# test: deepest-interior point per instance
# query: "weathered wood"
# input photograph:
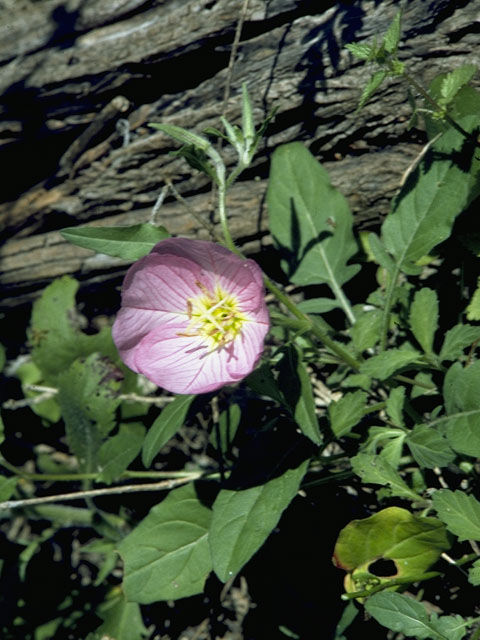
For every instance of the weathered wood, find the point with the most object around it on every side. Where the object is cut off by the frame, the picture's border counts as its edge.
(80, 85)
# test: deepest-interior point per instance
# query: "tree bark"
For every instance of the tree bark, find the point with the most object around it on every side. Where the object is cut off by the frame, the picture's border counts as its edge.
(80, 81)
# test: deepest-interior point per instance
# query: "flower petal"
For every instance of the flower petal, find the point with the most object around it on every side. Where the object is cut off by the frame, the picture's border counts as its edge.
(180, 364)
(161, 283)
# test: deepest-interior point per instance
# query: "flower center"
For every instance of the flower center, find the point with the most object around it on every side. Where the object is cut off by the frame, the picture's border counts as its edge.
(214, 316)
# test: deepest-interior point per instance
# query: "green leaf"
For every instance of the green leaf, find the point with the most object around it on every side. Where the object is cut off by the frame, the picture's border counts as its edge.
(317, 305)
(55, 339)
(392, 37)
(435, 193)
(310, 221)
(360, 51)
(88, 397)
(412, 543)
(373, 84)
(385, 364)
(474, 573)
(460, 512)
(405, 615)
(366, 330)
(297, 391)
(429, 448)
(120, 450)
(379, 253)
(453, 81)
(347, 412)
(122, 620)
(242, 520)
(183, 135)
(166, 556)
(128, 243)
(473, 309)
(462, 404)
(424, 318)
(457, 340)
(7, 487)
(394, 405)
(165, 427)
(28, 373)
(376, 470)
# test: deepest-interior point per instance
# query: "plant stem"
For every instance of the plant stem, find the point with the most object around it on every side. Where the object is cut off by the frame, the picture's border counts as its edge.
(92, 493)
(437, 107)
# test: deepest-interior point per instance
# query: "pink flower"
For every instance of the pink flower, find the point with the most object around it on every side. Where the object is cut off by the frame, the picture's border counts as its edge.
(193, 316)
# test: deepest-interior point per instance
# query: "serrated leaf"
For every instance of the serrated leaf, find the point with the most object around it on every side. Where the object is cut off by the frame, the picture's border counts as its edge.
(165, 427)
(242, 520)
(412, 543)
(473, 309)
(457, 340)
(462, 404)
(56, 341)
(460, 512)
(453, 81)
(347, 412)
(424, 318)
(122, 620)
(394, 405)
(429, 448)
(310, 221)
(166, 556)
(403, 615)
(385, 364)
(120, 450)
(376, 470)
(373, 84)
(474, 573)
(366, 330)
(297, 391)
(128, 243)
(435, 193)
(88, 399)
(360, 51)
(392, 37)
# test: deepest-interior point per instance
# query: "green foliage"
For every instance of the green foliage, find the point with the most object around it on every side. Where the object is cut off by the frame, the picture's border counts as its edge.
(460, 512)
(347, 412)
(424, 318)
(166, 556)
(242, 520)
(316, 241)
(404, 615)
(377, 470)
(462, 403)
(122, 620)
(412, 543)
(88, 398)
(165, 427)
(116, 454)
(297, 391)
(128, 243)
(55, 338)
